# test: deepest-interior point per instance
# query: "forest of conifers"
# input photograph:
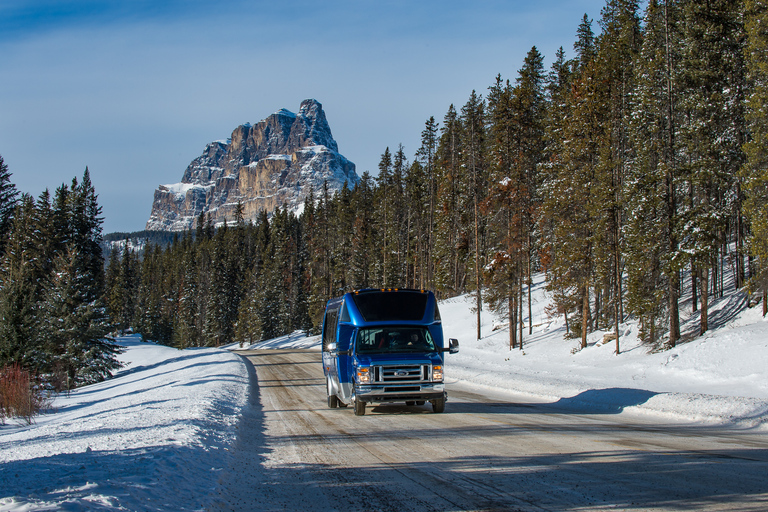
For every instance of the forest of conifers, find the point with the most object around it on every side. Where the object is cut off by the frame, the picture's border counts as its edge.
(632, 173)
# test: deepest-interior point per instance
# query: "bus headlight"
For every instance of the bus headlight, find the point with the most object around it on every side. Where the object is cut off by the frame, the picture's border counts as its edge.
(437, 373)
(364, 375)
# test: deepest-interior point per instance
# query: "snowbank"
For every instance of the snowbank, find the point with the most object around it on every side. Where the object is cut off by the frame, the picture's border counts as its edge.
(148, 439)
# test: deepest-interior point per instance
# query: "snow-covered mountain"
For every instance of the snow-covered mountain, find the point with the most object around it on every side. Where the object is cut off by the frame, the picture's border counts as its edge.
(262, 166)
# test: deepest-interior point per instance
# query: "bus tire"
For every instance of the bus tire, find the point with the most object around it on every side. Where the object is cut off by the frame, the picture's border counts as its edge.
(333, 400)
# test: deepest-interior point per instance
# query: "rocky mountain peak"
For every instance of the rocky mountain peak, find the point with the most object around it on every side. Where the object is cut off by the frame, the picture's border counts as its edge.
(273, 162)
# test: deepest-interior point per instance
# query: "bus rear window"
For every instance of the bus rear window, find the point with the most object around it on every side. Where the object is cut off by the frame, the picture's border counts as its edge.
(391, 306)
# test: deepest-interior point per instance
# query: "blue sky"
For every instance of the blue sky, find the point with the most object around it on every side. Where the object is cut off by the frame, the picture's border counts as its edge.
(136, 89)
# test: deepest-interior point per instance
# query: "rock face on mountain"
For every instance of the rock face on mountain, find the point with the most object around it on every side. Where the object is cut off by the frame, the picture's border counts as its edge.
(261, 166)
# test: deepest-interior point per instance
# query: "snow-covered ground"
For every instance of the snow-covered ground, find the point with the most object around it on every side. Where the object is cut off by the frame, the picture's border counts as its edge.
(155, 436)
(721, 377)
(152, 438)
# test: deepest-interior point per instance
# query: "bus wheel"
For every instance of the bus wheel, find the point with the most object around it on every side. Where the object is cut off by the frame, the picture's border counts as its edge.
(359, 408)
(333, 400)
(438, 405)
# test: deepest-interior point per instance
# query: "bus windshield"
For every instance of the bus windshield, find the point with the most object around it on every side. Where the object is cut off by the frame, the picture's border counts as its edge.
(388, 340)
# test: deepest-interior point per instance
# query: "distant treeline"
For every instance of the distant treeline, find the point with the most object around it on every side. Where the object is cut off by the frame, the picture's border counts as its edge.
(142, 237)
(137, 240)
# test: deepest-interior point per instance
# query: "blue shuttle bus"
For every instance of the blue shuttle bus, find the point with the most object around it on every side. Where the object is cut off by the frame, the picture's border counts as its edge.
(384, 345)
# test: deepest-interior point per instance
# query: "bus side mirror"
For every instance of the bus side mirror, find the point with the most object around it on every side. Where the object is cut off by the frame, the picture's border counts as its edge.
(331, 348)
(453, 346)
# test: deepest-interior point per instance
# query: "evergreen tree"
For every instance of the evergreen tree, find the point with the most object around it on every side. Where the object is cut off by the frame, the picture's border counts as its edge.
(75, 326)
(122, 281)
(8, 199)
(361, 241)
(218, 318)
(654, 182)
(426, 153)
(149, 298)
(569, 208)
(617, 48)
(755, 171)
(20, 289)
(712, 132)
(187, 330)
(451, 249)
(474, 162)
(399, 213)
(386, 233)
(584, 47)
(516, 149)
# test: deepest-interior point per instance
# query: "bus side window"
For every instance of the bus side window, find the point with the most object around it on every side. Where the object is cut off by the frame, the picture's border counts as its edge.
(329, 327)
(344, 313)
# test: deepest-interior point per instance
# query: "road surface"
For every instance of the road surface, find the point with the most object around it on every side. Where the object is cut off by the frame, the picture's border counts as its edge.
(485, 452)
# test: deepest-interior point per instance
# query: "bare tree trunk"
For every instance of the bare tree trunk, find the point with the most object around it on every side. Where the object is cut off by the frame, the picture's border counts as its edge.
(511, 318)
(674, 281)
(674, 312)
(723, 253)
(704, 300)
(520, 306)
(584, 315)
(478, 285)
(598, 308)
(694, 287)
(739, 240)
(617, 298)
(530, 284)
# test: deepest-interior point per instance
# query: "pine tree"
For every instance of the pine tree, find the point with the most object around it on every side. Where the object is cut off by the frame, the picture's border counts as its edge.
(755, 170)
(569, 191)
(187, 330)
(584, 47)
(474, 144)
(451, 249)
(8, 199)
(504, 206)
(122, 281)
(426, 154)
(86, 231)
(362, 236)
(75, 326)
(712, 79)
(516, 149)
(617, 48)
(20, 289)
(149, 298)
(384, 223)
(218, 319)
(654, 184)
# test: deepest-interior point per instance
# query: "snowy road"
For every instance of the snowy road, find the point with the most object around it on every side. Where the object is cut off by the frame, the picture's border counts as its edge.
(485, 452)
